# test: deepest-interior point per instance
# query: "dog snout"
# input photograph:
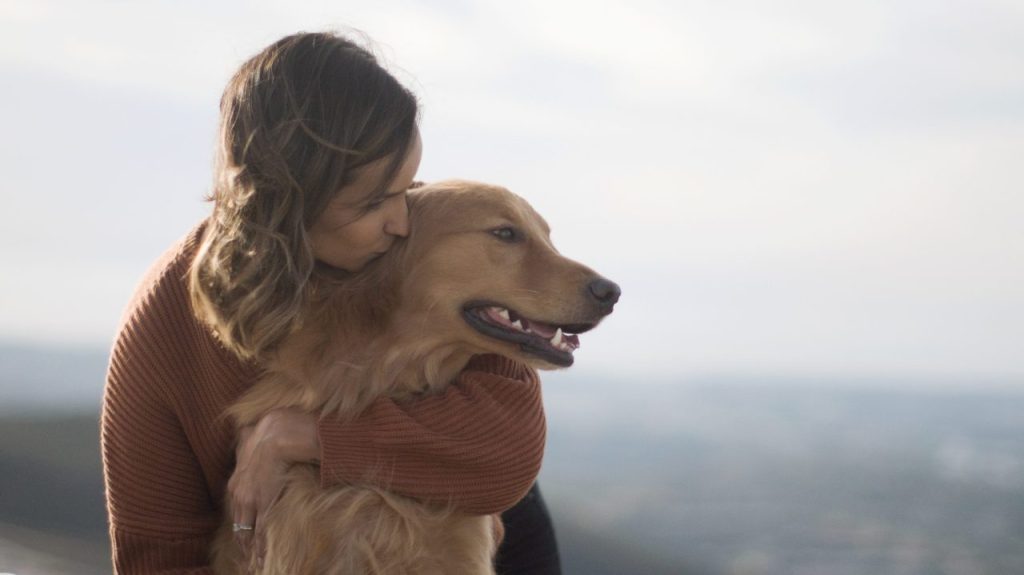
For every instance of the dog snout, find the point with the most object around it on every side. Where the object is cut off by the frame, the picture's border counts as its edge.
(604, 292)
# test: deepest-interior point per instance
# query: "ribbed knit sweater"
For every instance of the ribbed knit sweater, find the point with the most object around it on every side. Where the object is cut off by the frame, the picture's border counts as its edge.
(167, 453)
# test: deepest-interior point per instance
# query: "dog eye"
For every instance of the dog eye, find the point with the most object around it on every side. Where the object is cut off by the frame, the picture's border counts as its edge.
(505, 234)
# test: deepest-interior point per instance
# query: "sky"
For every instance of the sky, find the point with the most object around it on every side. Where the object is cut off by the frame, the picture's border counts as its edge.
(785, 189)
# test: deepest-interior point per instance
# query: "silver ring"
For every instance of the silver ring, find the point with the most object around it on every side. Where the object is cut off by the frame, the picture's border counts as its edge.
(236, 527)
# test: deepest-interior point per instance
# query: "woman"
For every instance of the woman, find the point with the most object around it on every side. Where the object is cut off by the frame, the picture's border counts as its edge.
(317, 147)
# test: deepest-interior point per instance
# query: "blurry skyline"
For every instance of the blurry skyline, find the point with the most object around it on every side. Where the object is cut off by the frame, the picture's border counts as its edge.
(782, 189)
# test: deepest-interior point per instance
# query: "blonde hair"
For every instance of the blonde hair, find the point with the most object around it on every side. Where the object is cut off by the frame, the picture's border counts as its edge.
(296, 120)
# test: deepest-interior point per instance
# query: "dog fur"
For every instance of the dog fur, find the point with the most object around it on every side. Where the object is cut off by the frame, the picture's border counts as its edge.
(399, 328)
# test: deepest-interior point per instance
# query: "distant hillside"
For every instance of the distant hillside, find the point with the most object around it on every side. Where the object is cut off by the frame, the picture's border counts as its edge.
(48, 379)
(32, 552)
(776, 481)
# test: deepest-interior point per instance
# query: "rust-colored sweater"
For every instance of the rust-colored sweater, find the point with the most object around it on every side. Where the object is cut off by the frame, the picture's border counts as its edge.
(167, 455)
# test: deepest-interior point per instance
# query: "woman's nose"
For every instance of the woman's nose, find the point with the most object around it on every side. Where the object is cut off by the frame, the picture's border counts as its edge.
(397, 223)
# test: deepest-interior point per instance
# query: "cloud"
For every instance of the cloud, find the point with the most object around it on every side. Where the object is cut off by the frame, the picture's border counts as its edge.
(795, 185)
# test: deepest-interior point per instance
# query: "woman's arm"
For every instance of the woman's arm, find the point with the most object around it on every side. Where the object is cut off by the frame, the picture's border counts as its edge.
(161, 518)
(166, 456)
(478, 446)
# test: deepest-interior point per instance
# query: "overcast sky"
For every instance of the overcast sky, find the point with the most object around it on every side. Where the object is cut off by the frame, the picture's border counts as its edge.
(788, 189)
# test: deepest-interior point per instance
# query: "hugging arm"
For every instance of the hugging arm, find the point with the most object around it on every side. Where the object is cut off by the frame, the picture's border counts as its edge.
(477, 446)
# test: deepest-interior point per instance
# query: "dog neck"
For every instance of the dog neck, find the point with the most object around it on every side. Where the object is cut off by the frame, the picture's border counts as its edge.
(357, 343)
(345, 381)
(424, 370)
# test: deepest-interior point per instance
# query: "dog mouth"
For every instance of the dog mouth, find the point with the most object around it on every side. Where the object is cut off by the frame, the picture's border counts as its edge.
(554, 343)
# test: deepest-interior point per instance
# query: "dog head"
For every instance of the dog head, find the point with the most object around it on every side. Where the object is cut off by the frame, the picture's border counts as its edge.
(480, 271)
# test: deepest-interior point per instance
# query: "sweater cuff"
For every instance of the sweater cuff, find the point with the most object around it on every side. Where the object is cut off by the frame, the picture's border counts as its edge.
(134, 553)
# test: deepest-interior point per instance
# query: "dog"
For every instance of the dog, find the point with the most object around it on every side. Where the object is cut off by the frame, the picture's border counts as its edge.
(478, 274)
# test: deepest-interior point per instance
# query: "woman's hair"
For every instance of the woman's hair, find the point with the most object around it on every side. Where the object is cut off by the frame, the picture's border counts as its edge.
(296, 120)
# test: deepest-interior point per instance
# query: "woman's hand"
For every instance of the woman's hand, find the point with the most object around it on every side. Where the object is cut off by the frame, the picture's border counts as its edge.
(265, 452)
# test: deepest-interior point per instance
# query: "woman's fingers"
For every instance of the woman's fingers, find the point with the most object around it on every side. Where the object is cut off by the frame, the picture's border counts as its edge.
(244, 529)
(259, 546)
(273, 487)
(242, 495)
(256, 484)
(253, 552)
(264, 454)
(243, 512)
(246, 524)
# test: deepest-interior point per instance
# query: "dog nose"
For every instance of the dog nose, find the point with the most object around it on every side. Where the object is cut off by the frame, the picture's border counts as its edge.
(605, 292)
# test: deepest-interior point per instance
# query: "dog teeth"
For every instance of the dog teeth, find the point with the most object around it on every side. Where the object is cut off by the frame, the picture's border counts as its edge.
(503, 313)
(517, 325)
(561, 343)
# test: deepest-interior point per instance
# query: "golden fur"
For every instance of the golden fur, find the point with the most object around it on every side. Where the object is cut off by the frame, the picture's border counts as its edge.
(397, 329)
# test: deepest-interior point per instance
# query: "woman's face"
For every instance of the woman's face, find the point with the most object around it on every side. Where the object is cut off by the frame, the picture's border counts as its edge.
(353, 230)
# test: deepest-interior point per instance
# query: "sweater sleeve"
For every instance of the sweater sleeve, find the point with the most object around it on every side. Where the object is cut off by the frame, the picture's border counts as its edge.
(477, 447)
(160, 511)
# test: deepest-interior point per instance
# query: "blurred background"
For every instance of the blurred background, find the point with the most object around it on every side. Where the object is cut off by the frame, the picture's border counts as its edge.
(815, 210)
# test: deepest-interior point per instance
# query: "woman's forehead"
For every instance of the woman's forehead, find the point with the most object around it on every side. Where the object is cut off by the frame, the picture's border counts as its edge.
(368, 181)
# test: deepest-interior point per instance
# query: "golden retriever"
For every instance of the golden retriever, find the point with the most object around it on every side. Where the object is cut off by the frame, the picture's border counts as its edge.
(478, 274)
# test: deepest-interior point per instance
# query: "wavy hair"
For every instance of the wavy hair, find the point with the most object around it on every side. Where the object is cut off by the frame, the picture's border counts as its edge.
(296, 121)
